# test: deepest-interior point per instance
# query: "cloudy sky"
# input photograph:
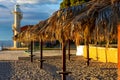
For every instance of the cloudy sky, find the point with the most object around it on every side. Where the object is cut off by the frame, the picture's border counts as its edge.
(33, 12)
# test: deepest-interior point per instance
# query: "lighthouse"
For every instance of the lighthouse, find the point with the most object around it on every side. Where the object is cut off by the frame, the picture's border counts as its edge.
(16, 25)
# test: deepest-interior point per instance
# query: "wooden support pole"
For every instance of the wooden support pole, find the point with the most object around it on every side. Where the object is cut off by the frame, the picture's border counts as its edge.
(31, 56)
(96, 43)
(64, 60)
(88, 59)
(64, 73)
(87, 36)
(68, 49)
(119, 51)
(41, 54)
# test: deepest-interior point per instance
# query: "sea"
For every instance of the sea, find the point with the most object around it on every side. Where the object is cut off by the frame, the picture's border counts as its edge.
(6, 43)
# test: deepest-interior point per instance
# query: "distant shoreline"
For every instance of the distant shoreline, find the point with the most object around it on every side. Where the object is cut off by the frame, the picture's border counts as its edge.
(6, 43)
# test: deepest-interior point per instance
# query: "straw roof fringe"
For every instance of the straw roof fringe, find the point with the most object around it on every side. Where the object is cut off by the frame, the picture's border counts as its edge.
(55, 25)
(22, 36)
(72, 22)
(100, 14)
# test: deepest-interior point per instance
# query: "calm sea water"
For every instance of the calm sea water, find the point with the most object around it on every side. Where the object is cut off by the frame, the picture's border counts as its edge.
(7, 43)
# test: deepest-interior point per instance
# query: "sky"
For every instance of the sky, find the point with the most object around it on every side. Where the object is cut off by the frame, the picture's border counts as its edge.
(33, 12)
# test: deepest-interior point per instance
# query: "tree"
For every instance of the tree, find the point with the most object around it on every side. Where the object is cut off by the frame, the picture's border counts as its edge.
(67, 3)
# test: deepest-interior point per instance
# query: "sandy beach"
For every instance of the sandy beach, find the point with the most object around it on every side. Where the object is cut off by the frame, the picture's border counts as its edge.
(13, 69)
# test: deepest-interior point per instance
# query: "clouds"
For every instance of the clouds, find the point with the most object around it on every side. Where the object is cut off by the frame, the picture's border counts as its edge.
(2, 6)
(34, 1)
(37, 1)
(33, 12)
(30, 8)
(36, 15)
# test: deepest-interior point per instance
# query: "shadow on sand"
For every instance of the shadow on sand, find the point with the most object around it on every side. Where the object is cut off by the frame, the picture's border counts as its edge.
(53, 71)
(5, 70)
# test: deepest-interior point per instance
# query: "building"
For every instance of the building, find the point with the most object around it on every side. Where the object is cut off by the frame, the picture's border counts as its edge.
(16, 25)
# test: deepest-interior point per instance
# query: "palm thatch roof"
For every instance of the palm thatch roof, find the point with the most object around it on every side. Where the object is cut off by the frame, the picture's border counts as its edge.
(59, 24)
(74, 22)
(30, 34)
(23, 36)
(35, 30)
(101, 15)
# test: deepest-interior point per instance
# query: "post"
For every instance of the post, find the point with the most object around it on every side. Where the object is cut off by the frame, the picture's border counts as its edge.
(118, 51)
(31, 51)
(68, 49)
(41, 54)
(64, 60)
(87, 34)
(88, 59)
(96, 43)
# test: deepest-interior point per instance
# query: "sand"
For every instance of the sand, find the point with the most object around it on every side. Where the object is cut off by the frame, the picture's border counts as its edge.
(13, 55)
(14, 69)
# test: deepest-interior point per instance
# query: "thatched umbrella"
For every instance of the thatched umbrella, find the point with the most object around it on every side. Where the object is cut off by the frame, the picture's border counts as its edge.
(114, 18)
(84, 26)
(33, 36)
(65, 18)
(28, 38)
(25, 36)
(58, 27)
(99, 15)
(105, 14)
(35, 31)
(60, 21)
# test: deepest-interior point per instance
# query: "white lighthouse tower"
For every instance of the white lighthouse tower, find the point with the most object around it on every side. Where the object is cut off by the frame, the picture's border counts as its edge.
(16, 25)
